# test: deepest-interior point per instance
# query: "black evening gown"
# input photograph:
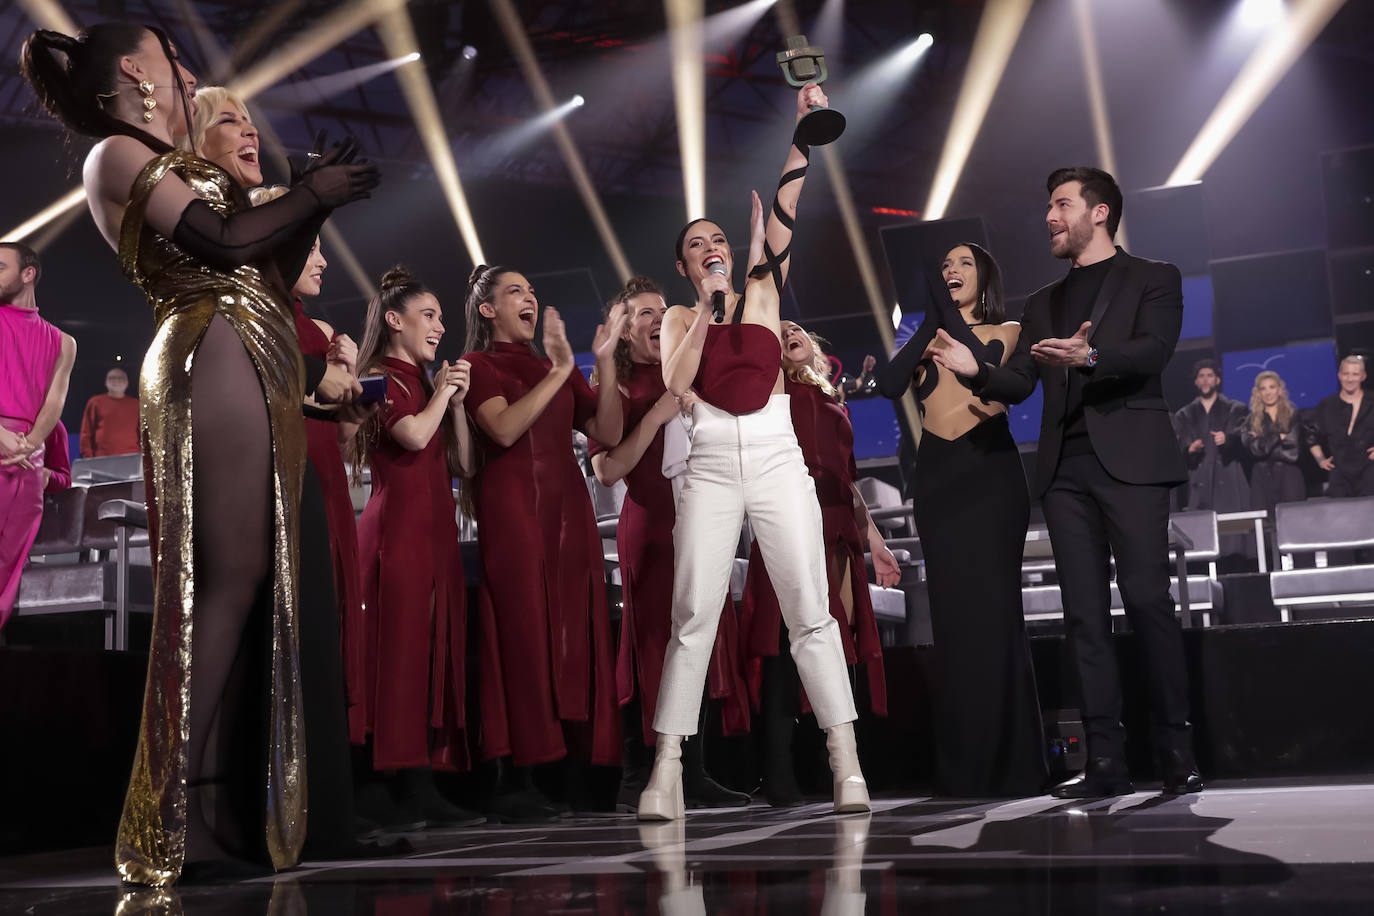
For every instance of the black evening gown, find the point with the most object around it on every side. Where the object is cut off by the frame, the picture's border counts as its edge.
(972, 508)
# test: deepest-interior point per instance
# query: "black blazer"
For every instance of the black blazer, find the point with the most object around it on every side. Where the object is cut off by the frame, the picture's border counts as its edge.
(1135, 324)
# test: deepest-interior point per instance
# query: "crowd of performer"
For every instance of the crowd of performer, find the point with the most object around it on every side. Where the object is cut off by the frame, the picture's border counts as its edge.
(308, 675)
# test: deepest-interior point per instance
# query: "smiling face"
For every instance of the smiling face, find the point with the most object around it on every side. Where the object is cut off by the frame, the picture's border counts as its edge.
(512, 310)
(705, 245)
(231, 142)
(312, 275)
(798, 350)
(642, 330)
(150, 63)
(1352, 375)
(1070, 220)
(417, 330)
(960, 273)
(1269, 391)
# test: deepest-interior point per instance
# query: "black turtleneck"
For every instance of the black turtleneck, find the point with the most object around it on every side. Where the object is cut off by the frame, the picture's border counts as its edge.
(1073, 307)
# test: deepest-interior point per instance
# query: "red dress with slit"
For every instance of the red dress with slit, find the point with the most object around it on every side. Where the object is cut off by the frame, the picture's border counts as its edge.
(322, 448)
(644, 542)
(547, 667)
(827, 443)
(413, 593)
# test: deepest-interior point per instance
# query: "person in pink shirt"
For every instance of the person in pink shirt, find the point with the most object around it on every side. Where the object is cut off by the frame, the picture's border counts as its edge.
(35, 364)
(57, 460)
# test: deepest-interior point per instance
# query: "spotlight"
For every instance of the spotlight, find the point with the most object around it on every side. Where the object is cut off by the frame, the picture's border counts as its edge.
(578, 101)
(1097, 96)
(1261, 73)
(469, 52)
(1260, 14)
(998, 30)
(411, 57)
(922, 42)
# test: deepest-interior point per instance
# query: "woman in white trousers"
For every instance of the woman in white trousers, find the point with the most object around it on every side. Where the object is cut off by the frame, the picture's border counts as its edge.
(745, 461)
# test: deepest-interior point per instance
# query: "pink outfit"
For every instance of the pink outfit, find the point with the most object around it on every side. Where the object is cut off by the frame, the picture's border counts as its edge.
(29, 348)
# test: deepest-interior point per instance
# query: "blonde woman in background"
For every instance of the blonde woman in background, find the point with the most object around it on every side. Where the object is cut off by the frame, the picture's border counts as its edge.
(1272, 437)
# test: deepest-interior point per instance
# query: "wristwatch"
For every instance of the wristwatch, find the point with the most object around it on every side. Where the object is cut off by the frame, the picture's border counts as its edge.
(1092, 358)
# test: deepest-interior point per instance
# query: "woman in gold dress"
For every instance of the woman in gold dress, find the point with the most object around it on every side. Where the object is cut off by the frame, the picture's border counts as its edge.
(224, 448)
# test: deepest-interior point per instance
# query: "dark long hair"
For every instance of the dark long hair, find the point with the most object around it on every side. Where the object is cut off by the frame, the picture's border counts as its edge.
(69, 75)
(481, 288)
(397, 289)
(992, 305)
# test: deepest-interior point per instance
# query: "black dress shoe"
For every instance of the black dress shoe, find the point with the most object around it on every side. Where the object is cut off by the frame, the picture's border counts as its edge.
(1103, 777)
(780, 789)
(701, 791)
(1180, 773)
(524, 806)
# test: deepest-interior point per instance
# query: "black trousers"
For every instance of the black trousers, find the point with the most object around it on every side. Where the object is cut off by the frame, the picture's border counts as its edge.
(1087, 511)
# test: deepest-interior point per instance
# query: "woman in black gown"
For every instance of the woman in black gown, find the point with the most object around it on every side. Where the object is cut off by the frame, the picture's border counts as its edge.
(972, 508)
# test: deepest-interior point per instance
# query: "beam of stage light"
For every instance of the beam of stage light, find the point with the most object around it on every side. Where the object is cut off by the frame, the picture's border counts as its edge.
(50, 15)
(398, 36)
(327, 33)
(1267, 65)
(992, 46)
(719, 31)
(866, 96)
(323, 87)
(513, 139)
(519, 41)
(829, 32)
(688, 53)
(1097, 97)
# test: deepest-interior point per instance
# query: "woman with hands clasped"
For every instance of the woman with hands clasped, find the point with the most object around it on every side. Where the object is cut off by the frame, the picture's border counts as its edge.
(547, 665)
(644, 544)
(414, 595)
(745, 459)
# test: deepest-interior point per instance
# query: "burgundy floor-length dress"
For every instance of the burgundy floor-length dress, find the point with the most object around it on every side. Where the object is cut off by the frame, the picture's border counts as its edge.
(414, 603)
(322, 447)
(644, 541)
(547, 667)
(827, 443)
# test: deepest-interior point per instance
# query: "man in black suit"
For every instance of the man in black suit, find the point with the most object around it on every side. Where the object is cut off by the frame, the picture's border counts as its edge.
(1098, 340)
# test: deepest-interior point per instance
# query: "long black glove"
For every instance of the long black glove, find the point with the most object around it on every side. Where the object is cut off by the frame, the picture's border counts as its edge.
(895, 378)
(257, 234)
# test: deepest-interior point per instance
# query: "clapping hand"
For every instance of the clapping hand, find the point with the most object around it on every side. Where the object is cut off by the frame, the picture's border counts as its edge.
(556, 340)
(954, 356)
(1219, 437)
(343, 352)
(757, 231)
(1064, 351)
(608, 335)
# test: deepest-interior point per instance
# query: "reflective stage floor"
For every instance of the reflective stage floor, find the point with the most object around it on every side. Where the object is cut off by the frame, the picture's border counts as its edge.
(1244, 848)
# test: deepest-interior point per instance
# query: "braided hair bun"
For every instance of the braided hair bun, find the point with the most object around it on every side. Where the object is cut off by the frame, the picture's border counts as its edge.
(397, 278)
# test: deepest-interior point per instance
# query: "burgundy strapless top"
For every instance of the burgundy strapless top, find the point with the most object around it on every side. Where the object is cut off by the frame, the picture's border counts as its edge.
(739, 367)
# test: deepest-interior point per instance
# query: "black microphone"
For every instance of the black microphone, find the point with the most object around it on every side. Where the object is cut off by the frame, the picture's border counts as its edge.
(718, 298)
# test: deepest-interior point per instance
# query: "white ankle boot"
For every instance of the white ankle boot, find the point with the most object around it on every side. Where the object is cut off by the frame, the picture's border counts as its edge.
(851, 791)
(661, 799)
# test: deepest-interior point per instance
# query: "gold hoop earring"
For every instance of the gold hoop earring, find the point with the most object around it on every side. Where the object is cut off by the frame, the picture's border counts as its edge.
(149, 103)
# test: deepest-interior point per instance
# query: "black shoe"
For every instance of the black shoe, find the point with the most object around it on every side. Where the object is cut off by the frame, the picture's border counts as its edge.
(417, 791)
(1180, 772)
(627, 796)
(1103, 777)
(374, 803)
(522, 807)
(701, 791)
(780, 788)
(365, 829)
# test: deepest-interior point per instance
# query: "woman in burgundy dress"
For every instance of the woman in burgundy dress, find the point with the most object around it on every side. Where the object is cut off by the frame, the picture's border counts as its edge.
(412, 572)
(827, 443)
(644, 543)
(548, 672)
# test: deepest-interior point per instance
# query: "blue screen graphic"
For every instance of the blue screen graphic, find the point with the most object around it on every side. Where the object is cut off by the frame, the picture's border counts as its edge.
(1197, 308)
(876, 433)
(1308, 371)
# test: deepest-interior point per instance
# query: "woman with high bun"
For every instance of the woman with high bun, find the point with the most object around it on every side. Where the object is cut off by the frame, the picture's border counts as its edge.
(644, 544)
(224, 447)
(414, 594)
(548, 672)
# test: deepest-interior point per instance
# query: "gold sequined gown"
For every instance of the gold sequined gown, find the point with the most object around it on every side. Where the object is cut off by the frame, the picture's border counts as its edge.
(185, 294)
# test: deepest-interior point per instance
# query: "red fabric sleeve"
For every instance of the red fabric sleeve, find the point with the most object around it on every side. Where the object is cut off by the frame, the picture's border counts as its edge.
(58, 459)
(404, 402)
(584, 400)
(485, 383)
(89, 419)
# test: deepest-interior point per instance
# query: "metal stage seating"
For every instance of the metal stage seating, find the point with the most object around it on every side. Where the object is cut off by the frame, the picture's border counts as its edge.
(1319, 526)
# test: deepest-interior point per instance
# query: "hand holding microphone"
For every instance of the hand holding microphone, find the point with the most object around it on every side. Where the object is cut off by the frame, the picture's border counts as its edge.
(717, 295)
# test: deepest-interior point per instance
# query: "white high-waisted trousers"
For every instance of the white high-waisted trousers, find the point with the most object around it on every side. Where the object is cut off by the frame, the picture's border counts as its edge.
(749, 463)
